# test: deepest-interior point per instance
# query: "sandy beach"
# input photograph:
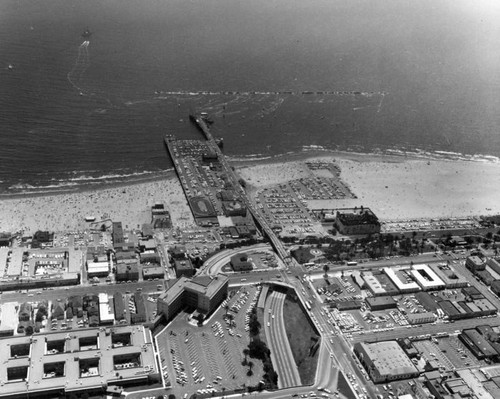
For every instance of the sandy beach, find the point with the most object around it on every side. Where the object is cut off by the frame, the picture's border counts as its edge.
(395, 188)
(129, 204)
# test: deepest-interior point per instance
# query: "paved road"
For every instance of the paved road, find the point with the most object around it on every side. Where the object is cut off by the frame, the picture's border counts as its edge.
(274, 327)
(402, 332)
(64, 292)
(214, 264)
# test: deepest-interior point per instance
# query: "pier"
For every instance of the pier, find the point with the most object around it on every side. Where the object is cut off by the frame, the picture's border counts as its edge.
(260, 221)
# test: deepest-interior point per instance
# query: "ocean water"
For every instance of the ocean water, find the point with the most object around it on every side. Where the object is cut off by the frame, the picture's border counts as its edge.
(277, 76)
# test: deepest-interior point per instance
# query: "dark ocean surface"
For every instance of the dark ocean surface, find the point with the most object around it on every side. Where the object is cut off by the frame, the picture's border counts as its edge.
(384, 76)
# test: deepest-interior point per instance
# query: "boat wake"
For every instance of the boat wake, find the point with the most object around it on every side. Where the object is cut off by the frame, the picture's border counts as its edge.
(82, 63)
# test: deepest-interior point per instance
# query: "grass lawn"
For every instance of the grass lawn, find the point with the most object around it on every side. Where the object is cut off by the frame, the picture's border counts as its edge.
(344, 388)
(302, 338)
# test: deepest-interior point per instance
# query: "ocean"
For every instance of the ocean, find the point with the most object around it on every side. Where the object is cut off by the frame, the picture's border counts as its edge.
(277, 76)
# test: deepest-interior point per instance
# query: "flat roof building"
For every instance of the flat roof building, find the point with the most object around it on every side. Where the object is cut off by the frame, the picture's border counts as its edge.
(117, 234)
(379, 284)
(472, 293)
(97, 269)
(421, 318)
(449, 276)
(427, 300)
(153, 272)
(357, 221)
(127, 271)
(23, 268)
(106, 313)
(494, 264)
(88, 360)
(240, 262)
(401, 279)
(183, 267)
(381, 303)
(119, 304)
(426, 278)
(385, 361)
(147, 245)
(477, 344)
(474, 263)
(485, 277)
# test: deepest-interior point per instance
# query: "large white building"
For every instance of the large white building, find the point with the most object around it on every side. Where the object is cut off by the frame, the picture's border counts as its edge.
(426, 278)
(402, 286)
(106, 313)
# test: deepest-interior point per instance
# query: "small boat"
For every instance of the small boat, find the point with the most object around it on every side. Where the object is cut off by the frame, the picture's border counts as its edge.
(11, 67)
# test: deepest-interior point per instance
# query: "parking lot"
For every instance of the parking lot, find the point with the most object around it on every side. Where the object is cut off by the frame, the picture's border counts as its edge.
(209, 358)
(457, 353)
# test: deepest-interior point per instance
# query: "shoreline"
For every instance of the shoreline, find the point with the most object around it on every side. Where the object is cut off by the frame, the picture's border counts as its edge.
(396, 156)
(395, 187)
(131, 181)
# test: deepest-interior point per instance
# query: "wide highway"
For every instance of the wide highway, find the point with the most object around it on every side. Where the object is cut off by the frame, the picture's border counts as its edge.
(274, 326)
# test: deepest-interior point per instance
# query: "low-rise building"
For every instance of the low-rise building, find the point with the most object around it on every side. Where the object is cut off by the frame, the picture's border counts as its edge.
(479, 346)
(106, 309)
(357, 221)
(97, 269)
(138, 313)
(421, 318)
(485, 277)
(119, 306)
(474, 263)
(117, 233)
(472, 293)
(240, 262)
(379, 284)
(449, 276)
(401, 278)
(160, 217)
(385, 361)
(150, 256)
(426, 278)
(150, 273)
(127, 272)
(183, 267)
(381, 303)
(495, 287)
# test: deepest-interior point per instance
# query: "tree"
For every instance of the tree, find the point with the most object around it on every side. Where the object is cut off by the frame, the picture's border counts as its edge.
(326, 269)
(258, 349)
(246, 351)
(29, 330)
(200, 317)
(254, 324)
(250, 365)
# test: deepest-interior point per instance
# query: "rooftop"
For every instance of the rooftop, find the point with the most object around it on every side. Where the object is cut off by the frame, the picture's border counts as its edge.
(81, 367)
(388, 358)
